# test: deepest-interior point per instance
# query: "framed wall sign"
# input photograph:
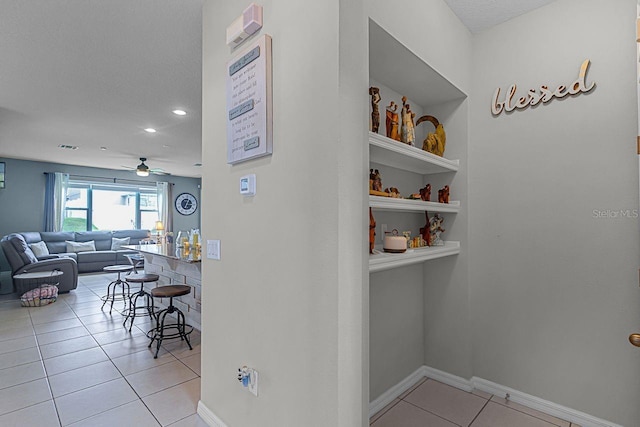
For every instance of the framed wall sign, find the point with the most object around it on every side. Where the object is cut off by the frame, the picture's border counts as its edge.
(2, 166)
(249, 103)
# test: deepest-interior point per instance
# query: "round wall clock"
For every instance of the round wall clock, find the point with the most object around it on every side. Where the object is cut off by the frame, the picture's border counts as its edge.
(186, 203)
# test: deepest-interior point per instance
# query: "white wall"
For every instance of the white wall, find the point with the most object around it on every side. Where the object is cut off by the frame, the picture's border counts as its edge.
(289, 295)
(554, 289)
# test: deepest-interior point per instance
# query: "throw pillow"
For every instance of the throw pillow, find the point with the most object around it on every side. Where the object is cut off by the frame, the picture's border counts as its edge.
(80, 246)
(119, 243)
(39, 249)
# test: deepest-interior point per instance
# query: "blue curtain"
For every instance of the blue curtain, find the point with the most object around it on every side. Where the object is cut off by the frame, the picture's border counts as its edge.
(54, 198)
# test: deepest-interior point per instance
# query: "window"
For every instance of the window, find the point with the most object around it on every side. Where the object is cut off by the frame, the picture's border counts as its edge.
(107, 206)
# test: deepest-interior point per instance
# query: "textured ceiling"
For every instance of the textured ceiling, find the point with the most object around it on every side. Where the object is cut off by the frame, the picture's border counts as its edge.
(94, 74)
(478, 15)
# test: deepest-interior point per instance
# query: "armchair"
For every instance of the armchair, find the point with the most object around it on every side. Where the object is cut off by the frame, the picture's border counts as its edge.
(22, 260)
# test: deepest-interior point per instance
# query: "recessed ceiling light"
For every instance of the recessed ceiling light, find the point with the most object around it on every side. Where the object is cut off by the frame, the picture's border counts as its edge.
(179, 112)
(150, 130)
(166, 146)
(103, 148)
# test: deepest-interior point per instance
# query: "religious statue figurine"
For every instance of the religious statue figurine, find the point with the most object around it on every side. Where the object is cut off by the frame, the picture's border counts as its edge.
(375, 111)
(425, 231)
(435, 231)
(425, 193)
(408, 129)
(443, 194)
(372, 231)
(392, 121)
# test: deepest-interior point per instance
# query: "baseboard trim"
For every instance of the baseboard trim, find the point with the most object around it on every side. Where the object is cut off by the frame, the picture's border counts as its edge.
(533, 402)
(208, 416)
(388, 396)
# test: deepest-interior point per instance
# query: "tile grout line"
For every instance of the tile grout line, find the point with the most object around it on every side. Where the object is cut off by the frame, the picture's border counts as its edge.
(479, 412)
(429, 412)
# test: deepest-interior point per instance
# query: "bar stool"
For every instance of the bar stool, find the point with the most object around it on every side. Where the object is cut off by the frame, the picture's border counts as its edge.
(147, 309)
(182, 330)
(111, 289)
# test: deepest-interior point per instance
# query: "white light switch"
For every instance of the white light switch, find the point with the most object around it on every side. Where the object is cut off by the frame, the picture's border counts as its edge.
(213, 249)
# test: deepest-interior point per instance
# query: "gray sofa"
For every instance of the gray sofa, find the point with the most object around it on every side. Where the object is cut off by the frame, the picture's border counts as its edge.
(17, 249)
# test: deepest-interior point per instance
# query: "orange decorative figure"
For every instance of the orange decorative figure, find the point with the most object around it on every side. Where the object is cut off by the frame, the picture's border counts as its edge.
(443, 195)
(372, 231)
(425, 193)
(375, 111)
(392, 121)
(425, 231)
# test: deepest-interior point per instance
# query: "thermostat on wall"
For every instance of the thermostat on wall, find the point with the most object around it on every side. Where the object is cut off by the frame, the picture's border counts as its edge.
(248, 185)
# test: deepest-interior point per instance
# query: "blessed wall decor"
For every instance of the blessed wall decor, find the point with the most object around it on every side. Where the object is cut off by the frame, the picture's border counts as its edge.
(544, 94)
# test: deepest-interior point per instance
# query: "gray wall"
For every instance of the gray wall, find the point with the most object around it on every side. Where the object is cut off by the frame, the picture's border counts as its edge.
(554, 288)
(22, 201)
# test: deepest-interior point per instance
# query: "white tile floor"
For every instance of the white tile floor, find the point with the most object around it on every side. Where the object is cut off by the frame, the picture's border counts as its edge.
(430, 403)
(72, 364)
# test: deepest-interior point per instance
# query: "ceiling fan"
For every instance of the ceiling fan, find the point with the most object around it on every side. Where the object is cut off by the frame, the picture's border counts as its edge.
(143, 170)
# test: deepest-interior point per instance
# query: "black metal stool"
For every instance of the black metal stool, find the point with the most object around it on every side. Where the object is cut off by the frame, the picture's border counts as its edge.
(111, 289)
(182, 329)
(147, 309)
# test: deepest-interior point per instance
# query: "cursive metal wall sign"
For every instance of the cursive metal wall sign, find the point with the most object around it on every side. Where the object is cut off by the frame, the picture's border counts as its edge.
(544, 95)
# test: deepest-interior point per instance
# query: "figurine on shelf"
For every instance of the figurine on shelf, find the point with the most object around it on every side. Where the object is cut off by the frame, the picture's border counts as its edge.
(393, 192)
(375, 184)
(377, 180)
(408, 129)
(392, 121)
(443, 195)
(372, 231)
(425, 231)
(434, 142)
(425, 193)
(375, 111)
(435, 231)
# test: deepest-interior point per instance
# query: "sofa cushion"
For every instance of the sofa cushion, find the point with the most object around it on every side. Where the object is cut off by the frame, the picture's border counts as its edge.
(80, 246)
(55, 240)
(25, 254)
(39, 249)
(97, 256)
(117, 243)
(134, 235)
(31, 236)
(102, 239)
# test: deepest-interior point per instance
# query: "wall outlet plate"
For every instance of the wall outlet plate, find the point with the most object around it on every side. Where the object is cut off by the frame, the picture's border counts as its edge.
(253, 382)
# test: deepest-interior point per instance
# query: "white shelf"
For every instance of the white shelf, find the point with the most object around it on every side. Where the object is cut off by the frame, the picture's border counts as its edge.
(393, 153)
(408, 205)
(387, 261)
